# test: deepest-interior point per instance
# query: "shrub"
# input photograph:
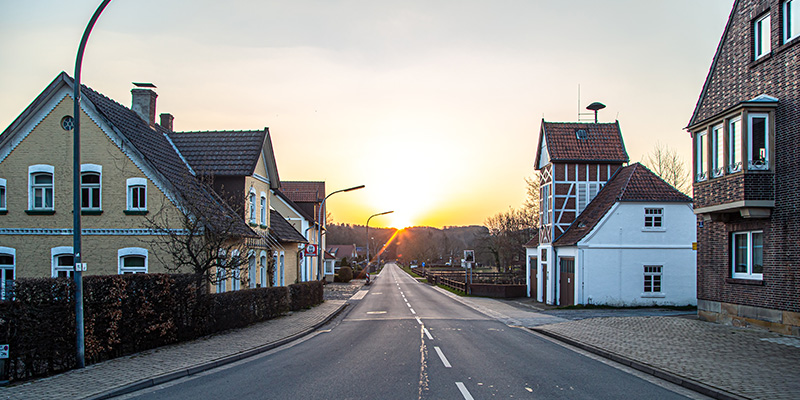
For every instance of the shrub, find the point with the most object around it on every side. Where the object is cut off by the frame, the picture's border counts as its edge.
(305, 295)
(345, 274)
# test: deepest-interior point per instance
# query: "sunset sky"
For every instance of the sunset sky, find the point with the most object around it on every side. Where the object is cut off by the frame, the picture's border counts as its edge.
(434, 105)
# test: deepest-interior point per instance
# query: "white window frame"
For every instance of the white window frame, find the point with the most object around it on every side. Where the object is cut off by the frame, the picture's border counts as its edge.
(791, 21)
(700, 154)
(717, 151)
(3, 196)
(222, 280)
(761, 163)
(93, 169)
(55, 254)
(136, 184)
(587, 191)
(751, 253)
(252, 199)
(263, 260)
(4, 268)
(762, 45)
(546, 204)
(282, 268)
(735, 145)
(122, 254)
(654, 219)
(653, 279)
(251, 271)
(41, 169)
(263, 209)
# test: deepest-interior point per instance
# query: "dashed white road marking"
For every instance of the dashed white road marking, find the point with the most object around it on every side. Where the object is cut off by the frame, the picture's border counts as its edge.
(412, 311)
(442, 357)
(428, 334)
(375, 312)
(419, 321)
(408, 304)
(464, 391)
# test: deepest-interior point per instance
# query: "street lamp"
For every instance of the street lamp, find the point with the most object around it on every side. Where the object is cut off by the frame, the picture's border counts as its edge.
(76, 190)
(370, 217)
(320, 250)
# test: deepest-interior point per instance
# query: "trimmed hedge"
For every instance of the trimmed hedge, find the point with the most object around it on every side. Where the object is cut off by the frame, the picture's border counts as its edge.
(305, 295)
(345, 275)
(124, 314)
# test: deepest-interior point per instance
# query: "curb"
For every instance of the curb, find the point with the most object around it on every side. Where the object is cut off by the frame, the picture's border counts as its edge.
(170, 376)
(698, 387)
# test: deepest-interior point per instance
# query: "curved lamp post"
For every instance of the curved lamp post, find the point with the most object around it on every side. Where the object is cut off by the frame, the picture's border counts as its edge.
(76, 189)
(370, 217)
(320, 250)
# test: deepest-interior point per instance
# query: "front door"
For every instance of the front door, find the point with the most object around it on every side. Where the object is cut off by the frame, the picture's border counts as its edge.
(533, 268)
(567, 275)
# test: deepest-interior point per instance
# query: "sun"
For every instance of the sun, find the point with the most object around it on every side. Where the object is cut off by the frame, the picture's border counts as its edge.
(400, 221)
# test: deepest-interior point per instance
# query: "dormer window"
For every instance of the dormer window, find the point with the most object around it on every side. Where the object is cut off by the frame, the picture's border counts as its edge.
(761, 30)
(581, 134)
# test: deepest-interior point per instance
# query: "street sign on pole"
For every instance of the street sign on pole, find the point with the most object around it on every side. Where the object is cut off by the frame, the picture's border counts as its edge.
(310, 250)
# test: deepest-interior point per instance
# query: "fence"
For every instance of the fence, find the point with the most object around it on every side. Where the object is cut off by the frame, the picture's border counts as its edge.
(507, 283)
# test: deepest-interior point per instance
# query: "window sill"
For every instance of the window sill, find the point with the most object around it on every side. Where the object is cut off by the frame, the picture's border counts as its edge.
(135, 212)
(253, 224)
(743, 281)
(760, 60)
(262, 226)
(654, 295)
(91, 212)
(654, 229)
(40, 212)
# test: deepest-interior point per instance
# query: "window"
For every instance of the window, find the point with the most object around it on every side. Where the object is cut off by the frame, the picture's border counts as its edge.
(263, 269)
(222, 280)
(545, 205)
(90, 186)
(62, 262)
(717, 151)
(132, 260)
(735, 145)
(653, 218)
(237, 280)
(791, 21)
(275, 279)
(748, 255)
(701, 169)
(263, 209)
(761, 31)
(758, 143)
(3, 206)
(137, 194)
(586, 193)
(41, 187)
(652, 279)
(252, 199)
(7, 270)
(251, 270)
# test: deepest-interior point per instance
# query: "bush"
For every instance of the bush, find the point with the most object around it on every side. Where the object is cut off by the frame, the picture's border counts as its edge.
(345, 275)
(125, 314)
(305, 295)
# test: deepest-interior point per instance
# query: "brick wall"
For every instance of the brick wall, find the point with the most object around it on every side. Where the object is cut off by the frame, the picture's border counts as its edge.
(735, 78)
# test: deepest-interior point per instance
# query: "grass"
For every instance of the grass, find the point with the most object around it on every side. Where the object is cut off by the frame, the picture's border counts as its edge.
(410, 272)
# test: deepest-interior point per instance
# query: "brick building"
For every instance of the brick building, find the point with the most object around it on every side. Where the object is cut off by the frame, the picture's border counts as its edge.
(745, 129)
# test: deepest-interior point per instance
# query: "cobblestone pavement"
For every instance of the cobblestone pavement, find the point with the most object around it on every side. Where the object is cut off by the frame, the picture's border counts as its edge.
(169, 362)
(342, 291)
(751, 363)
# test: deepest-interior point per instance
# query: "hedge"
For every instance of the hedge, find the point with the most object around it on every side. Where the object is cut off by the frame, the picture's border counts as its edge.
(124, 314)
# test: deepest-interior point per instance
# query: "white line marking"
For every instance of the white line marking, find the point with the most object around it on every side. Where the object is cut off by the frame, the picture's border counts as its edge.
(441, 355)
(375, 312)
(408, 304)
(359, 295)
(428, 334)
(464, 391)
(419, 320)
(412, 311)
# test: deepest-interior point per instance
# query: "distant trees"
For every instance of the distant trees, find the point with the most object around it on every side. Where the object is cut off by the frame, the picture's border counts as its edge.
(665, 162)
(508, 231)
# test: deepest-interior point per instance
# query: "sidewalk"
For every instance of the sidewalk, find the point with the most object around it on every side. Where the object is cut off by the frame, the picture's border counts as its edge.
(718, 361)
(126, 374)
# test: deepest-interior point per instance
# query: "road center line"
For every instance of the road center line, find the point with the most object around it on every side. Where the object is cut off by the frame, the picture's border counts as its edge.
(412, 311)
(428, 334)
(419, 320)
(464, 391)
(442, 357)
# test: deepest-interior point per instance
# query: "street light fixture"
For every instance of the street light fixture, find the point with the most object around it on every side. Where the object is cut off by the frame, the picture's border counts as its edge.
(320, 250)
(370, 217)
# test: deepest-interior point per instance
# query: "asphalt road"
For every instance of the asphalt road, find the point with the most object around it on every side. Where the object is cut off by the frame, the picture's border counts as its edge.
(405, 340)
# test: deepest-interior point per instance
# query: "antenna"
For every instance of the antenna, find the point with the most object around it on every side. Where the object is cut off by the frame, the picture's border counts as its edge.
(584, 116)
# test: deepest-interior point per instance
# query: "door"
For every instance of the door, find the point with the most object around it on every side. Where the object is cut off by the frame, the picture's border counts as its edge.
(567, 287)
(544, 275)
(533, 268)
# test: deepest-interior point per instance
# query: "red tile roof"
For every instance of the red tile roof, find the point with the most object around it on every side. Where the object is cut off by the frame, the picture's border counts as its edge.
(534, 242)
(603, 142)
(634, 183)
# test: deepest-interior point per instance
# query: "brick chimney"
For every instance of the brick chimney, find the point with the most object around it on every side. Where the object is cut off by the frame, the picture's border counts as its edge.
(166, 121)
(144, 102)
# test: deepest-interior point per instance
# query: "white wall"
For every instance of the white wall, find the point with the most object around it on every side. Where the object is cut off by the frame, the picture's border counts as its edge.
(610, 260)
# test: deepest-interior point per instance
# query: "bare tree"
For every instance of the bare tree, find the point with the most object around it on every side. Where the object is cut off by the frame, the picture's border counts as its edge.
(666, 163)
(202, 235)
(532, 198)
(508, 231)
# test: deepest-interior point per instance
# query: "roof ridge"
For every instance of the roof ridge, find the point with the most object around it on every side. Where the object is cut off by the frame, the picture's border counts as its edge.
(628, 181)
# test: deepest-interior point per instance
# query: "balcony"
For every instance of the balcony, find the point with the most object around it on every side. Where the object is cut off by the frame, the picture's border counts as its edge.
(749, 194)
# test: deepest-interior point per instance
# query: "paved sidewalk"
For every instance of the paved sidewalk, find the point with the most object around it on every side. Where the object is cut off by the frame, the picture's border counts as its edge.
(716, 360)
(152, 367)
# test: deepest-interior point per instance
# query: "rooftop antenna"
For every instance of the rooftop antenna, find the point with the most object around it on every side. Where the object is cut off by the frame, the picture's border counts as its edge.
(595, 107)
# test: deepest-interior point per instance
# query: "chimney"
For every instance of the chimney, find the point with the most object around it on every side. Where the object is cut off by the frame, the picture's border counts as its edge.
(144, 102)
(166, 121)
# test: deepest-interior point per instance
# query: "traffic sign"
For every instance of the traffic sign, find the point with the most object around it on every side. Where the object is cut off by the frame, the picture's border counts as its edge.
(310, 250)
(3, 351)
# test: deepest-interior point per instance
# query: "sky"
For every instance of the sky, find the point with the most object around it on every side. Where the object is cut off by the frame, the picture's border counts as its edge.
(434, 105)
